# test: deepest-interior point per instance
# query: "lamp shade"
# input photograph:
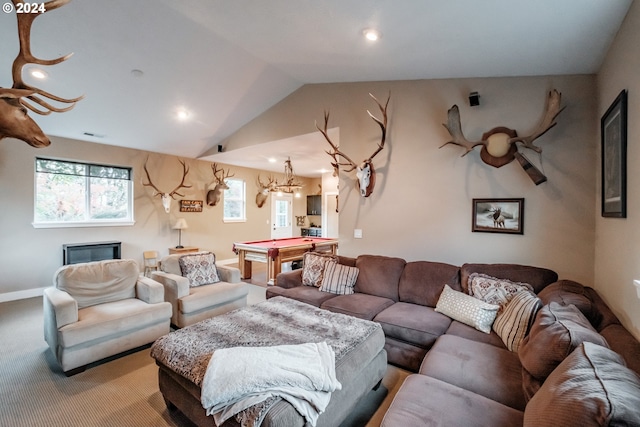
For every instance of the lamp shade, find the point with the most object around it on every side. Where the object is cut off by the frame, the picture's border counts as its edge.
(180, 224)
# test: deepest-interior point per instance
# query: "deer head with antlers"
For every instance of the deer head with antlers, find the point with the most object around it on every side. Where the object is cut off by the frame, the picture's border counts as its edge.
(14, 101)
(264, 190)
(166, 197)
(219, 184)
(499, 144)
(365, 172)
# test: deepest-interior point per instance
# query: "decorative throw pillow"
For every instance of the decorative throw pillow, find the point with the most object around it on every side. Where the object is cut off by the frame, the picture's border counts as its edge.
(467, 309)
(513, 323)
(591, 387)
(199, 268)
(313, 267)
(493, 290)
(339, 278)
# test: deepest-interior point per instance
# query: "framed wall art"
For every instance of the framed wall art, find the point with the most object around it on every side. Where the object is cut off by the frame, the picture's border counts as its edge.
(190, 205)
(613, 136)
(498, 216)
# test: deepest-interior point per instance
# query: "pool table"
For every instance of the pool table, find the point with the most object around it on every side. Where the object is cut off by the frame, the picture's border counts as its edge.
(274, 252)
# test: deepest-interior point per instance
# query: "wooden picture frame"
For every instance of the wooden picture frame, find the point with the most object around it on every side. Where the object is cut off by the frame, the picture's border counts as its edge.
(498, 216)
(613, 141)
(191, 205)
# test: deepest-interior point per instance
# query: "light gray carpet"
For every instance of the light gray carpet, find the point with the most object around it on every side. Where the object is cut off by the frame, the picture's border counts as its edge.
(122, 391)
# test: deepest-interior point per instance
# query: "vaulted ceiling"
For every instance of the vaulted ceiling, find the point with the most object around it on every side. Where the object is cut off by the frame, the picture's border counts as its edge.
(226, 61)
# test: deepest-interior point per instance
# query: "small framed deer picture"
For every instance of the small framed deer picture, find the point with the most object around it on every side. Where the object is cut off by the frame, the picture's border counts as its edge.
(498, 216)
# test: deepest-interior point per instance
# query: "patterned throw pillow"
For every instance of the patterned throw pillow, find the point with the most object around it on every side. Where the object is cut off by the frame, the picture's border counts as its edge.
(512, 324)
(339, 279)
(313, 267)
(199, 268)
(467, 309)
(493, 290)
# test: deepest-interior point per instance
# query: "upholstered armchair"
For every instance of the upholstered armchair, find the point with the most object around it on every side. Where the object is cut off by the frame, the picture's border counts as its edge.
(198, 289)
(99, 309)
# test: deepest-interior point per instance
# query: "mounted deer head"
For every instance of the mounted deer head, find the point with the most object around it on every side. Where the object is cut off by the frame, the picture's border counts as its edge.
(263, 193)
(364, 171)
(166, 197)
(499, 144)
(219, 184)
(14, 101)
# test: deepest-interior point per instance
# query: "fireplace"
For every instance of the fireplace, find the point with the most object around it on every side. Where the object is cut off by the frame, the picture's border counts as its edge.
(73, 253)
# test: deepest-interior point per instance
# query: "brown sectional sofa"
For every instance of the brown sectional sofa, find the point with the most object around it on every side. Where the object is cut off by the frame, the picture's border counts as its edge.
(465, 377)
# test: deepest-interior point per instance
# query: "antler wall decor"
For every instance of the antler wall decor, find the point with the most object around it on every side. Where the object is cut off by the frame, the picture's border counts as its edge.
(166, 197)
(14, 120)
(215, 189)
(499, 144)
(365, 172)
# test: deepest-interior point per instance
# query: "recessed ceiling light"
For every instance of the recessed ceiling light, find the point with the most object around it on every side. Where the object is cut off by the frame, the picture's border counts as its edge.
(272, 160)
(371, 34)
(183, 114)
(38, 73)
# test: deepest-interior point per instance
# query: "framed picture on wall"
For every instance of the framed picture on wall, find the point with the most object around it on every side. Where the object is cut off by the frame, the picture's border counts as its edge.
(498, 216)
(190, 205)
(613, 136)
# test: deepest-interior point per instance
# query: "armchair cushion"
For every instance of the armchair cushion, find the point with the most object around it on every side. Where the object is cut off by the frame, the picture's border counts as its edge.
(117, 279)
(199, 268)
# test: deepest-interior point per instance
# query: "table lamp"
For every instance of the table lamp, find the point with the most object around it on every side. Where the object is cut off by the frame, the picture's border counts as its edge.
(180, 225)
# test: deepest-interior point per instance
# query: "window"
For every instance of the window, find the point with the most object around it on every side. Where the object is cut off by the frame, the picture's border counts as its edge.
(235, 201)
(72, 194)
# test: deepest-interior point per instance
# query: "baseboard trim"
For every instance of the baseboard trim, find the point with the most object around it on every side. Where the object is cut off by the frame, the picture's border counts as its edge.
(17, 295)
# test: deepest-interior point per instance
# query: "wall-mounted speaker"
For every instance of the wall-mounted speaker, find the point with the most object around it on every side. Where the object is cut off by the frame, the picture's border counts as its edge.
(474, 99)
(219, 148)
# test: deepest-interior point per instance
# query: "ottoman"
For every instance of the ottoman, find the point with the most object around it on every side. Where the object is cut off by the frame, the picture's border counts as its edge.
(182, 357)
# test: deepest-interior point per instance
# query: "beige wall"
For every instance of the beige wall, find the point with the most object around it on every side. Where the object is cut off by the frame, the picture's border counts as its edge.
(618, 240)
(421, 206)
(30, 256)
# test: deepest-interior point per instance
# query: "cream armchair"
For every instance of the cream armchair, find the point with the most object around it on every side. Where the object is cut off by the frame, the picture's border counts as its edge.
(99, 309)
(192, 304)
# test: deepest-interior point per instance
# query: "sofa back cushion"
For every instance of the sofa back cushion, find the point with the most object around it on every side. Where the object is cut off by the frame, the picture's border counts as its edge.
(537, 277)
(626, 345)
(98, 282)
(379, 275)
(591, 387)
(422, 282)
(556, 331)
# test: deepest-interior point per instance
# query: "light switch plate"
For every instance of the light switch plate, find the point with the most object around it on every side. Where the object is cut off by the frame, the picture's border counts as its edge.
(357, 233)
(637, 283)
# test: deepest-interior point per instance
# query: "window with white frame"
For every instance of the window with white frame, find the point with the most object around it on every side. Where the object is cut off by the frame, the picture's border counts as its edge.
(235, 201)
(71, 194)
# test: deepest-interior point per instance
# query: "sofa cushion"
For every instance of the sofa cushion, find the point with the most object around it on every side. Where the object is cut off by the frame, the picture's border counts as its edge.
(199, 268)
(98, 282)
(537, 277)
(426, 401)
(494, 290)
(209, 296)
(591, 387)
(469, 332)
(412, 323)
(306, 294)
(379, 275)
(478, 367)
(313, 267)
(513, 323)
(622, 342)
(358, 305)
(112, 319)
(338, 278)
(467, 309)
(556, 331)
(422, 281)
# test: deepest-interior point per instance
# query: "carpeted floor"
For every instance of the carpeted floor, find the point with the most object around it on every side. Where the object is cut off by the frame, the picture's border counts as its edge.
(122, 391)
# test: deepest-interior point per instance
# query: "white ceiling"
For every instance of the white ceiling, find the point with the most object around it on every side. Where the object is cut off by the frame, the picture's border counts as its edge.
(227, 61)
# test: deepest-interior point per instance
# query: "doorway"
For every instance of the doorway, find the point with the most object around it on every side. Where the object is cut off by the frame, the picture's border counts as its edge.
(281, 215)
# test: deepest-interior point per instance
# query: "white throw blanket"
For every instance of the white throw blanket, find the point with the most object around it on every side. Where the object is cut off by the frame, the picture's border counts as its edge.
(239, 377)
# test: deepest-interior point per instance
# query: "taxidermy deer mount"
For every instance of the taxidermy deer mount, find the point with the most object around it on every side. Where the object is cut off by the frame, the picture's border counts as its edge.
(219, 184)
(365, 172)
(14, 101)
(166, 197)
(263, 193)
(499, 144)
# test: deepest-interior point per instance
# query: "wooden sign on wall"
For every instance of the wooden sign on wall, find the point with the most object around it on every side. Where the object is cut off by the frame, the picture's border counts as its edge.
(190, 205)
